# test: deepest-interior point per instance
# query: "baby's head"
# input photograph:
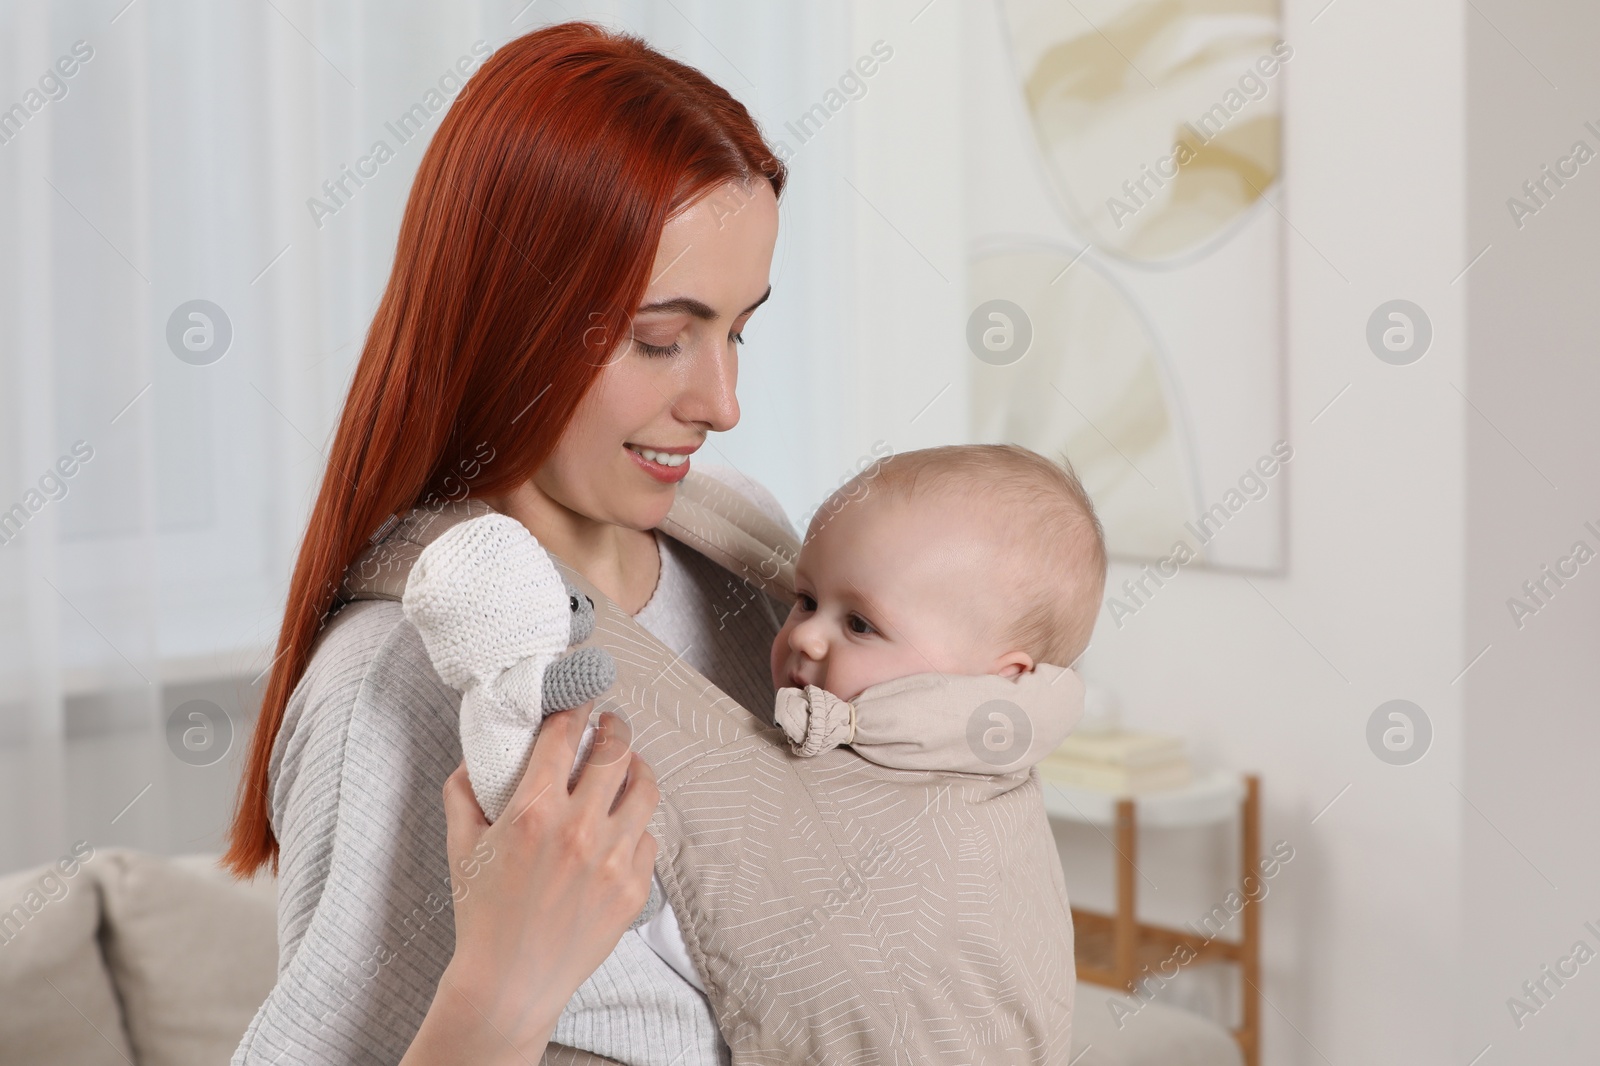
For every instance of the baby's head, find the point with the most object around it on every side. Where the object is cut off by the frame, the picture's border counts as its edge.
(969, 559)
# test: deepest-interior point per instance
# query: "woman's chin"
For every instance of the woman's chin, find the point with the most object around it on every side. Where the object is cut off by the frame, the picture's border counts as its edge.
(646, 509)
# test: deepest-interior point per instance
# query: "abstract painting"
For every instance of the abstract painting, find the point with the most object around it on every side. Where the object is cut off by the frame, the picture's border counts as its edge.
(1122, 193)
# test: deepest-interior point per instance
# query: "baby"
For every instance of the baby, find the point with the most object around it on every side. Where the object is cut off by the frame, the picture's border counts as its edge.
(942, 572)
(941, 597)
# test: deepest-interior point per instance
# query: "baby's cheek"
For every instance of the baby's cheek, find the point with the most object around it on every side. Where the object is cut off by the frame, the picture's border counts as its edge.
(861, 666)
(854, 669)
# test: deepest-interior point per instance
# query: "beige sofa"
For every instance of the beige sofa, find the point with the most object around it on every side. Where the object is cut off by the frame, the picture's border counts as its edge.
(131, 958)
(136, 960)
(1158, 1036)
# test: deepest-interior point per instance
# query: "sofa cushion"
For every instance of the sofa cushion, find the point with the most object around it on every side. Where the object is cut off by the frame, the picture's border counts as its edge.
(193, 953)
(1149, 1034)
(57, 1003)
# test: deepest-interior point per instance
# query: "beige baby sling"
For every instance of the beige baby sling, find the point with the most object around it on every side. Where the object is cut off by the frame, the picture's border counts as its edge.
(840, 912)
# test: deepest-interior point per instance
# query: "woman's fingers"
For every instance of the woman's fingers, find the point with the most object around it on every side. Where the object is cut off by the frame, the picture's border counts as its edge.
(612, 743)
(463, 819)
(554, 750)
(558, 878)
(638, 799)
(607, 764)
(603, 819)
(644, 858)
(632, 853)
(461, 810)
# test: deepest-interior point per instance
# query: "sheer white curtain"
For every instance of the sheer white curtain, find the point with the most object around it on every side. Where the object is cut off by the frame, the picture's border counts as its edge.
(183, 159)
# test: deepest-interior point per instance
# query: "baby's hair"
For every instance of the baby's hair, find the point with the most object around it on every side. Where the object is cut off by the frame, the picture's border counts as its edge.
(1044, 512)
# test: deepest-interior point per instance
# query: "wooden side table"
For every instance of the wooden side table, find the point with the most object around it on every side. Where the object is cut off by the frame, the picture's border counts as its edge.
(1118, 950)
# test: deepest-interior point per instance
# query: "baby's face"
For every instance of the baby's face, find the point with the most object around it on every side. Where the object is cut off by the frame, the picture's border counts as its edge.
(889, 587)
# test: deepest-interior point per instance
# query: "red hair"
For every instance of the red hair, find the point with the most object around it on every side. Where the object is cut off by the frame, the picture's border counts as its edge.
(525, 247)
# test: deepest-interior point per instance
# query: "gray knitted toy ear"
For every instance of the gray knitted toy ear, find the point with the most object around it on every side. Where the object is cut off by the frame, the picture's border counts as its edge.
(582, 615)
(577, 678)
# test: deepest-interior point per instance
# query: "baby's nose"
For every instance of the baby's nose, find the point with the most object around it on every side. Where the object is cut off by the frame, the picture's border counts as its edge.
(807, 639)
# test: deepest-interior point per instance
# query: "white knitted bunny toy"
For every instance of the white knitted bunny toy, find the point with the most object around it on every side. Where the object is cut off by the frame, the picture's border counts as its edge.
(497, 620)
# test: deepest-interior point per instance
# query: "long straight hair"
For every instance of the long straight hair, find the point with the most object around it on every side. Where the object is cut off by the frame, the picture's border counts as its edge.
(525, 247)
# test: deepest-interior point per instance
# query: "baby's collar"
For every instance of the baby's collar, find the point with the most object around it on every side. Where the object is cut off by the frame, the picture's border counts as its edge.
(971, 724)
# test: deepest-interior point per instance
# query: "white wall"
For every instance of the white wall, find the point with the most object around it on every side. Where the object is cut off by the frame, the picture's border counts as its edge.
(1280, 675)
(876, 198)
(1531, 874)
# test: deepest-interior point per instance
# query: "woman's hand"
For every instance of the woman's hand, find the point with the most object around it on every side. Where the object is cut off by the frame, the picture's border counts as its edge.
(541, 896)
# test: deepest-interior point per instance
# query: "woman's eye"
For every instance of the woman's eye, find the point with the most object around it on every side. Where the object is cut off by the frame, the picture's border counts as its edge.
(658, 350)
(859, 626)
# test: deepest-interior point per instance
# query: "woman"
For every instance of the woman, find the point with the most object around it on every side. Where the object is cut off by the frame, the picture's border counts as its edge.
(590, 229)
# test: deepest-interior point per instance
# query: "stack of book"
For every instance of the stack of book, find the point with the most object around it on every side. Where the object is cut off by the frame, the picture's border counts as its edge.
(1119, 762)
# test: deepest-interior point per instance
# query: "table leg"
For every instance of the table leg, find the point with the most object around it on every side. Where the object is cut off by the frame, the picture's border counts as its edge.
(1125, 933)
(1250, 946)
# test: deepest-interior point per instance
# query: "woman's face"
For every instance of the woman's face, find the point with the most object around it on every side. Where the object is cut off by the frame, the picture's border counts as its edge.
(672, 382)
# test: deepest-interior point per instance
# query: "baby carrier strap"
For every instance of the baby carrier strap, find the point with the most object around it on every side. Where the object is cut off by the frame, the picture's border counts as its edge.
(735, 534)
(840, 912)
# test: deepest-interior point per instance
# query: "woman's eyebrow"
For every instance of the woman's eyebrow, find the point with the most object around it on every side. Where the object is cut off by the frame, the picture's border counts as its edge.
(688, 305)
(759, 302)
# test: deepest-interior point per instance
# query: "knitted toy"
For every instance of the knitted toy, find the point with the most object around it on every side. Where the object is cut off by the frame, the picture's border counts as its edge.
(497, 620)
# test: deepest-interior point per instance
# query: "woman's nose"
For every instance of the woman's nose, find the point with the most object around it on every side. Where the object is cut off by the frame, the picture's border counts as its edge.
(710, 395)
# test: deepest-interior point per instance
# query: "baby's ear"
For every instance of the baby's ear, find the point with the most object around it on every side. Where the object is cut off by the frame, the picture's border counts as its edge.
(582, 608)
(1013, 664)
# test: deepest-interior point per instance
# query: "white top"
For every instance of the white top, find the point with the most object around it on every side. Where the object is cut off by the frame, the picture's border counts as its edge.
(662, 936)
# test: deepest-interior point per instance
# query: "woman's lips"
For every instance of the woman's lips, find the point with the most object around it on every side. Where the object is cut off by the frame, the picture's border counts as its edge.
(661, 471)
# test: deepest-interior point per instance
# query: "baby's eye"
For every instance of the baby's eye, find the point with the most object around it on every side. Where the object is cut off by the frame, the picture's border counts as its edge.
(860, 626)
(805, 603)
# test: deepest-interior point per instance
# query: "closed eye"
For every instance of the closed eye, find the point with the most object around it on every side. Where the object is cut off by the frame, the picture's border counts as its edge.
(656, 350)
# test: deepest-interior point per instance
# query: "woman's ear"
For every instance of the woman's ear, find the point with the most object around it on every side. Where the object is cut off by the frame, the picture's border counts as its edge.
(1012, 663)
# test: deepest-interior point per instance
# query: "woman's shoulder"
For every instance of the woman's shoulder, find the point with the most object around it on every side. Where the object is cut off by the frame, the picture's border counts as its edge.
(367, 650)
(354, 637)
(369, 683)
